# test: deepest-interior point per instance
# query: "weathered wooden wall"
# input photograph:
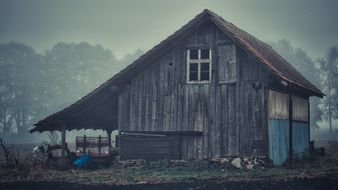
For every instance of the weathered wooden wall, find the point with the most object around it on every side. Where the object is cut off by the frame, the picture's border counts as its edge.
(230, 110)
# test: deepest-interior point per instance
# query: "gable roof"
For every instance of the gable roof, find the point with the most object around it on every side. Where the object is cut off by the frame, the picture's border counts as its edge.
(265, 54)
(259, 50)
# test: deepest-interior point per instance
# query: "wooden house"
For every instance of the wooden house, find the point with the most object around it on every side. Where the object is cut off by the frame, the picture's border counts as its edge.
(208, 90)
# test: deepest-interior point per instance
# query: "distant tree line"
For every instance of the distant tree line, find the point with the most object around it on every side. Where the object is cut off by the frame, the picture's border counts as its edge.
(34, 85)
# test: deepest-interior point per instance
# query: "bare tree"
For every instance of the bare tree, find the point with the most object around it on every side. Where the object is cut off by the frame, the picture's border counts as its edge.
(329, 75)
(7, 152)
(333, 55)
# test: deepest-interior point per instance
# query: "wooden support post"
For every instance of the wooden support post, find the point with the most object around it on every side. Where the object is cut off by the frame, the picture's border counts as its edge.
(109, 131)
(290, 127)
(84, 144)
(63, 141)
(309, 121)
(99, 144)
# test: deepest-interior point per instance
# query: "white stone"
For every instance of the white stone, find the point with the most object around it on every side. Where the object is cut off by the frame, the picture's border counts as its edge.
(250, 166)
(237, 162)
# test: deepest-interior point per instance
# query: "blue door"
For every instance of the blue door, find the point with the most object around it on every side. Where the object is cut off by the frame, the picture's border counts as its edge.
(278, 140)
(300, 139)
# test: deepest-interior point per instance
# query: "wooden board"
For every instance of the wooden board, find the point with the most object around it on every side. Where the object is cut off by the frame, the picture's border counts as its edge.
(300, 107)
(149, 147)
(278, 105)
(91, 141)
(227, 63)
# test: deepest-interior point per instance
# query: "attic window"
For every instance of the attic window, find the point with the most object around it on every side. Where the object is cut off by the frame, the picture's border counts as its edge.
(199, 65)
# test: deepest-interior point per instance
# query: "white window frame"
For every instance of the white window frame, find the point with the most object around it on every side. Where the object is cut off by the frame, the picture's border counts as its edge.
(198, 61)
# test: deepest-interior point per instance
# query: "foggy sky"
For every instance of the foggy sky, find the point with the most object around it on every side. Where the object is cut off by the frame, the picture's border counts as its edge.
(126, 25)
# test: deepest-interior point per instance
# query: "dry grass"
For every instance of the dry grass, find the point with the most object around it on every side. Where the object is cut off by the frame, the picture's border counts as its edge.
(160, 171)
(30, 170)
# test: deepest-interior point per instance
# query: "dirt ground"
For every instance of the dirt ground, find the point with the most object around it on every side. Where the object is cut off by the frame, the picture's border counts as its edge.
(321, 173)
(318, 182)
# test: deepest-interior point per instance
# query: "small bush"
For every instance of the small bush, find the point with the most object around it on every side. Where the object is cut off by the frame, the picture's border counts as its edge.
(8, 158)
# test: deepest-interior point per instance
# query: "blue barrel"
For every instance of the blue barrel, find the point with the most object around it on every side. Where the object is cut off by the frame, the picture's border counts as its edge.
(82, 161)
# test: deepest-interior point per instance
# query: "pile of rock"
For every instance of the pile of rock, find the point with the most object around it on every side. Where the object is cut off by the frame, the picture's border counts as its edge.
(130, 163)
(227, 163)
(248, 163)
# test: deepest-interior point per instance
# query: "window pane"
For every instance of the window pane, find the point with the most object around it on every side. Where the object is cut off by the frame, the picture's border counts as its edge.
(204, 67)
(204, 76)
(193, 54)
(204, 53)
(193, 76)
(193, 67)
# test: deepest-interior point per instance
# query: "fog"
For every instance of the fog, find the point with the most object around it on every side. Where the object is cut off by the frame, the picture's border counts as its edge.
(124, 25)
(57, 36)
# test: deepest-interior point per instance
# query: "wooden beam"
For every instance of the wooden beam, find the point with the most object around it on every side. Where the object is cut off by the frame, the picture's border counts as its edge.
(309, 120)
(290, 126)
(100, 144)
(84, 144)
(109, 131)
(167, 133)
(63, 141)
